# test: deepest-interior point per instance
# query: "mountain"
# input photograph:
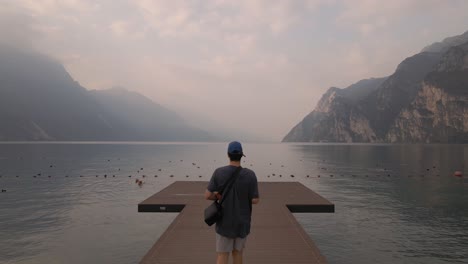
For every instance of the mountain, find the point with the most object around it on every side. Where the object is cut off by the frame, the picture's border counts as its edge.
(132, 115)
(39, 100)
(424, 100)
(447, 43)
(335, 118)
(439, 112)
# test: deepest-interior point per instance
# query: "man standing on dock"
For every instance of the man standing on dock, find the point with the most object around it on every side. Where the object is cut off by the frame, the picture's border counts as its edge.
(233, 228)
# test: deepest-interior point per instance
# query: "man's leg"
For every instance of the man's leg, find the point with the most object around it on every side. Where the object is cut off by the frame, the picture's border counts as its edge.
(222, 258)
(237, 256)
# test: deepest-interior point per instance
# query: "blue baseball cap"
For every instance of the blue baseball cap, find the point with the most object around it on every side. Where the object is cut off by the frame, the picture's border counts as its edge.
(235, 147)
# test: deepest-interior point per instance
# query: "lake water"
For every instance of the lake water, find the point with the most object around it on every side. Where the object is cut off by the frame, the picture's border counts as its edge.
(394, 203)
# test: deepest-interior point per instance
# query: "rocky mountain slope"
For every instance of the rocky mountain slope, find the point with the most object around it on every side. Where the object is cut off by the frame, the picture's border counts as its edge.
(39, 100)
(439, 112)
(424, 100)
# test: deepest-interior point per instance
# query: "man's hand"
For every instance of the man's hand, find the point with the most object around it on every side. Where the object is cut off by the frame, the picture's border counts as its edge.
(212, 195)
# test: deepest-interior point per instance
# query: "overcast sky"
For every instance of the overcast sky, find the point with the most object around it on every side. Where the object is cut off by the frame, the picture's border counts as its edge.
(256, 65)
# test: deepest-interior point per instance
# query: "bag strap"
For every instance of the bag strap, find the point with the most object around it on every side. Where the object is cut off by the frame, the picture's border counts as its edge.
(230, 184)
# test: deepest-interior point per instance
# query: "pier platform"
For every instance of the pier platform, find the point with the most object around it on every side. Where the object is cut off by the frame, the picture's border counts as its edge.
(276, 236)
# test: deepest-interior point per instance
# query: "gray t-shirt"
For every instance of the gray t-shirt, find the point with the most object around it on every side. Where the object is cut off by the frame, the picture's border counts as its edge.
(237, 206)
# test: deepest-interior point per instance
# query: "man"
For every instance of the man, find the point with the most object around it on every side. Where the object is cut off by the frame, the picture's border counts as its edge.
(233, 228)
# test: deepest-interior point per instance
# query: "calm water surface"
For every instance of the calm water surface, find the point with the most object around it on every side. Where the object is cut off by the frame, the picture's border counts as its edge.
(394, 203)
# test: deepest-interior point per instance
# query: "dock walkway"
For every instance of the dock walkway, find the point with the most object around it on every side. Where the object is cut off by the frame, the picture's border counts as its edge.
(276, 236)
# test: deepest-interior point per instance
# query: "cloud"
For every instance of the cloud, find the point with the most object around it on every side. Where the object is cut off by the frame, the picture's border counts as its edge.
(369, 16)
(16, 28)
(119, 27)
(55, 7)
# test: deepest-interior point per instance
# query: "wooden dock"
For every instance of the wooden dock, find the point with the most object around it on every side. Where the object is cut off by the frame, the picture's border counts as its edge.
(276, 236)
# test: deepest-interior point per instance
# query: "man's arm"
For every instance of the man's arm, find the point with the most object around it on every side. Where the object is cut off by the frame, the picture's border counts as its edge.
(254, 190)
(211, 191)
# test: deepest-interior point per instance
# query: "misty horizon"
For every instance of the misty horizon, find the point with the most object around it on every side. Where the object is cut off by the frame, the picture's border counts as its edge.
(254, 66)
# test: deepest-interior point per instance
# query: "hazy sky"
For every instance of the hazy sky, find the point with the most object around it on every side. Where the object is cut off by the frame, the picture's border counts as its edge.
(256, 65)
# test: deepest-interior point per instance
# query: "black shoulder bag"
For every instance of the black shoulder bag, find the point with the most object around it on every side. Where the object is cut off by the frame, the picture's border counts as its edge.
(214, 212)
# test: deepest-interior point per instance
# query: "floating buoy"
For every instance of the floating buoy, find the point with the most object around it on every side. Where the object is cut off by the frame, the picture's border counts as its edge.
(458, 173)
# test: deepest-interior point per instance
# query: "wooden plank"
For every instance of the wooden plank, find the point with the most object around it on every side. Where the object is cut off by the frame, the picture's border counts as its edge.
(276, 236)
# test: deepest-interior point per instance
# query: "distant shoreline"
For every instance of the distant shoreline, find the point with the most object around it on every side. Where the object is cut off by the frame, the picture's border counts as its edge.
(215, 142)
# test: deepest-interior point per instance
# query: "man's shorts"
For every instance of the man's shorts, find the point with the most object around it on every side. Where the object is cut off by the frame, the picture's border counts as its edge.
(226, 244)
